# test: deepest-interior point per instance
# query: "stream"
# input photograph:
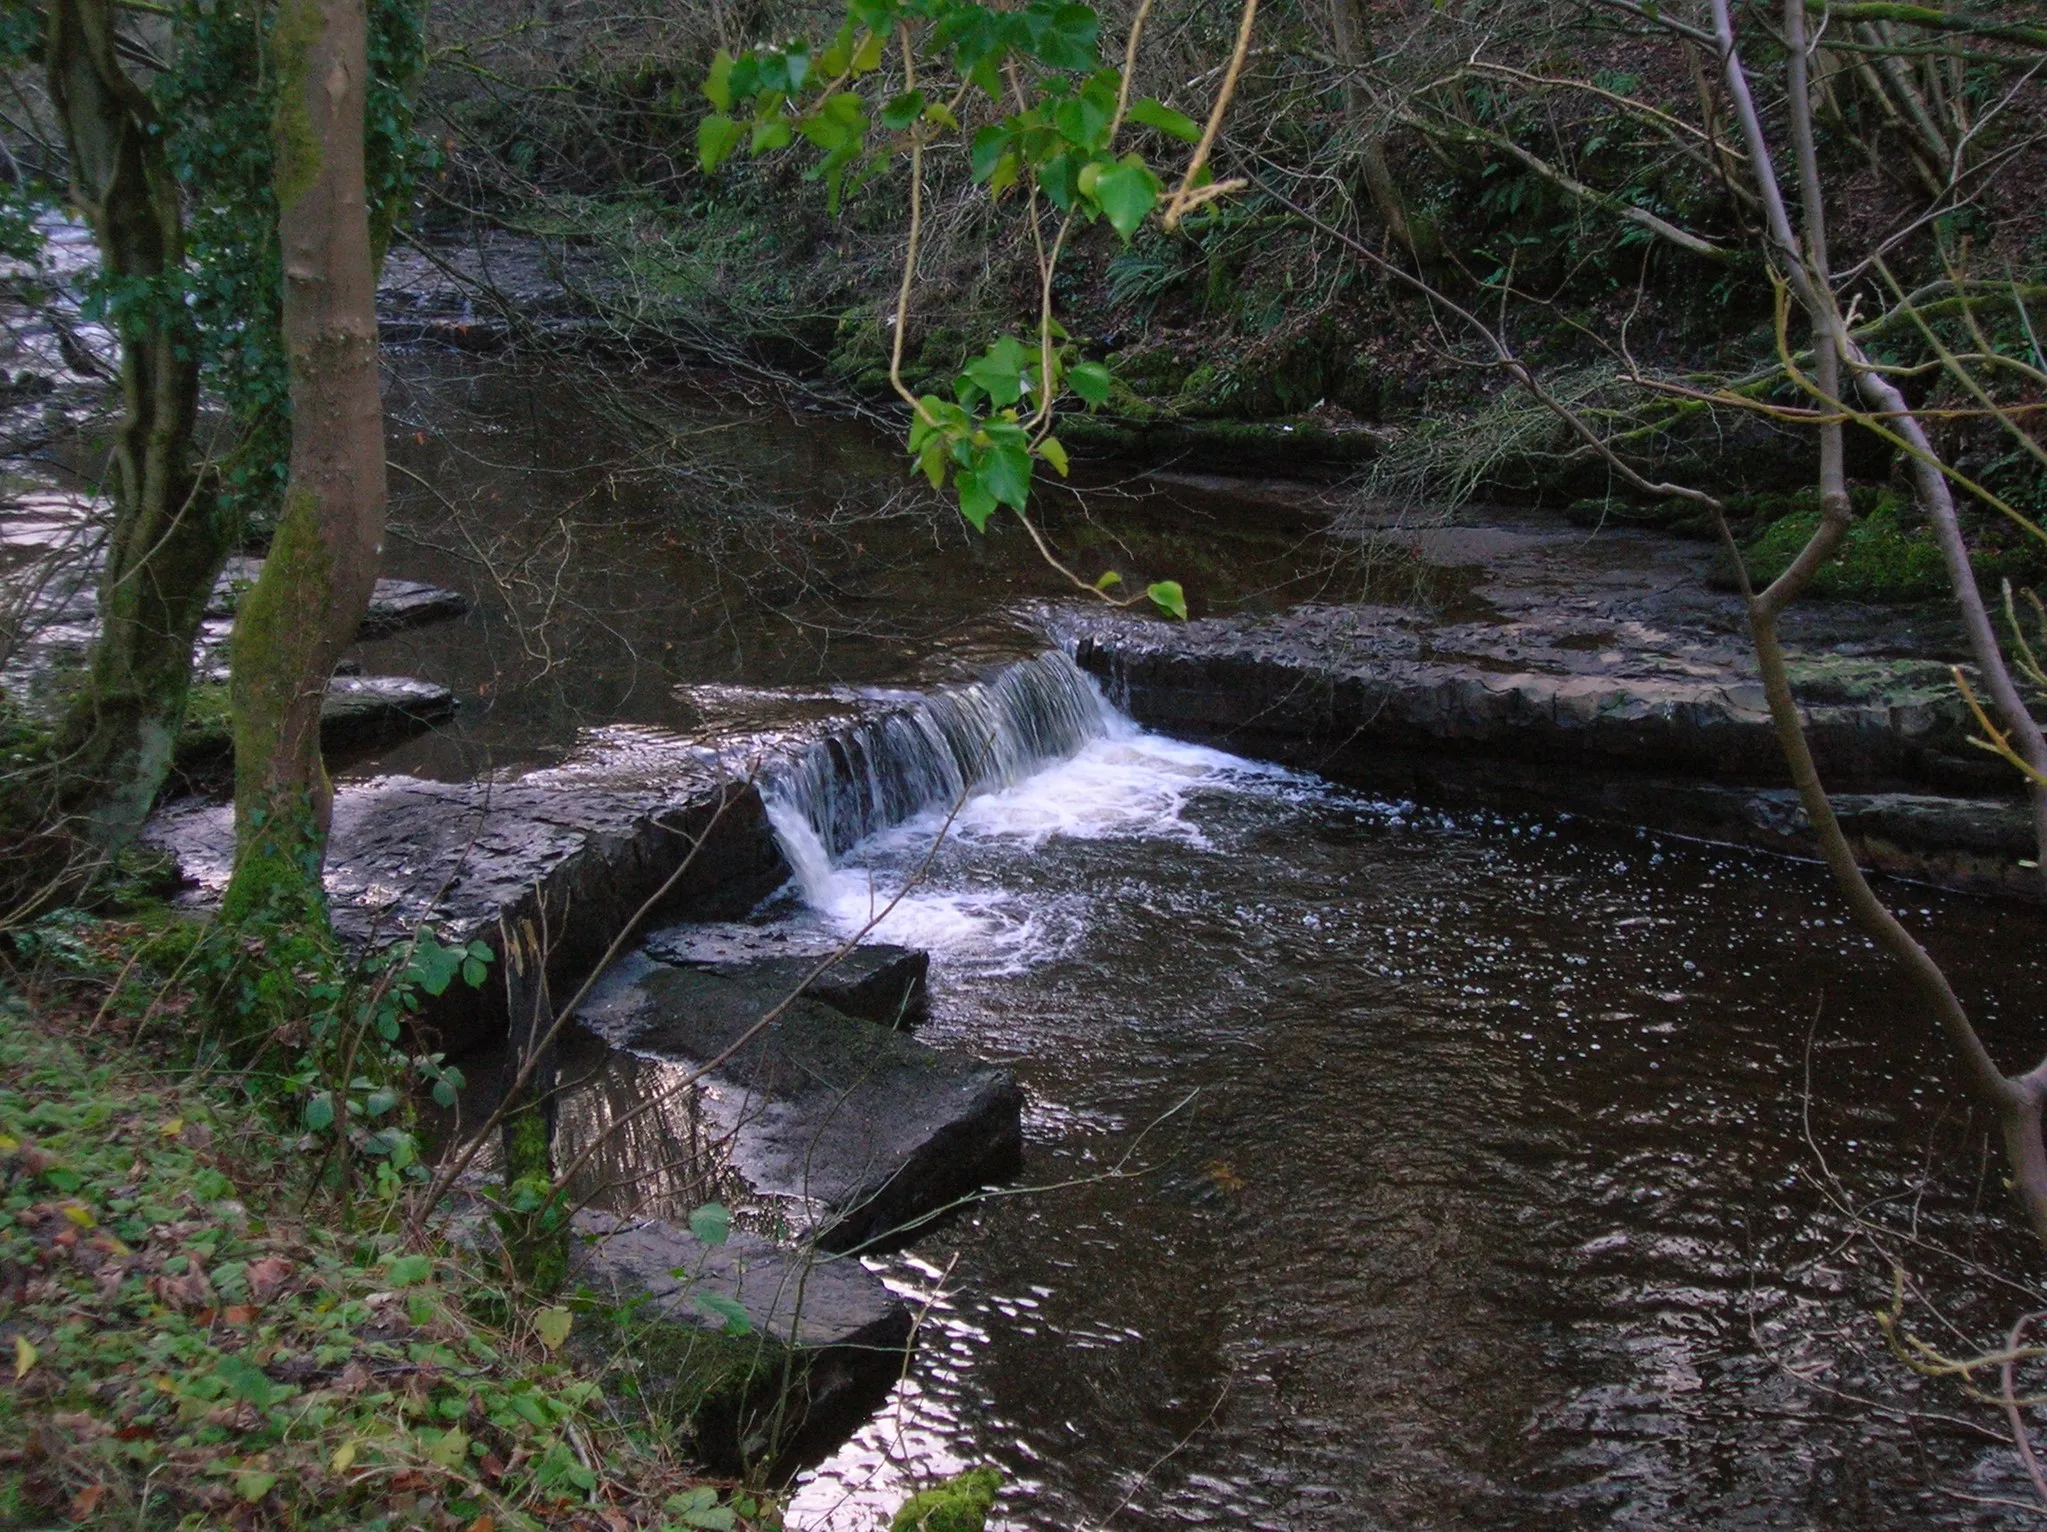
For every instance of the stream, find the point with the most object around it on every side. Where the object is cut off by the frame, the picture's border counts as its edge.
(1388, 1167)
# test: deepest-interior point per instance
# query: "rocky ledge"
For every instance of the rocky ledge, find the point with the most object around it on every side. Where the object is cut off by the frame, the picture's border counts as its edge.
(1602, 677)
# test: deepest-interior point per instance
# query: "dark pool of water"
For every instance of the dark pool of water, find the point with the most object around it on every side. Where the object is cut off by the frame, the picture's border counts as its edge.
(1499, 1173)
(634, 544)
(1412, 1171)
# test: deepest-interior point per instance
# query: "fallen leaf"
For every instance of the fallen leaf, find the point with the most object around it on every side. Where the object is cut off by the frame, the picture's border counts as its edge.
(24, 1356)
(552, 1326)
(83, 1502)
(267, 1277)
(344, 1455)
(237, 1314)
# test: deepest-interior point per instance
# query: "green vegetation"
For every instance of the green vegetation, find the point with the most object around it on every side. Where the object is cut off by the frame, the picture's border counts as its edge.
(960, 1504)
(191, 1332)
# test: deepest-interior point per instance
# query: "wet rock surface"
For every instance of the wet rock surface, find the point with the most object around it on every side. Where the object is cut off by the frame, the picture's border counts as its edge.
(1599, 673)
(573, 852)
(860, 1132)
(877, 981)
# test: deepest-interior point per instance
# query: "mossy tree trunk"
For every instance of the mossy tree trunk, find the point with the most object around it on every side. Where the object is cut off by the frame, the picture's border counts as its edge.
(303, 610)
(166, 543)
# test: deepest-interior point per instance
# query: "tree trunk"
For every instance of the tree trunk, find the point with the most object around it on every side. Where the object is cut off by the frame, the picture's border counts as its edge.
(1411, 234)
(315, 586)
(166, 545)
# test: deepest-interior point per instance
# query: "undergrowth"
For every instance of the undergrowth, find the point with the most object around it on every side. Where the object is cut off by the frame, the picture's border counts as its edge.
(195, 1332)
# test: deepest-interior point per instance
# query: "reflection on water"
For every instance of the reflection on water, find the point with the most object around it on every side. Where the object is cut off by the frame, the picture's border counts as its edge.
(636, 547)
(1495, 1207)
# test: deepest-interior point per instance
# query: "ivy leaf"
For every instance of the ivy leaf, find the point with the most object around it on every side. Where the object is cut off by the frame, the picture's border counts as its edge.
(1063, 36)
(717, 137)
(1091, 381)
(1006, 474)
(711, 1223)
(987, 149)
(1126, 193)
(552, 1326)
(998, 372)
(1155, 114)
(976, 503)
(1167, 596)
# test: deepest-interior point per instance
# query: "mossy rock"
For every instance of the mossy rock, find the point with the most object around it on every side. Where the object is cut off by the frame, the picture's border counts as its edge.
(1884, 557)
(960, 1504)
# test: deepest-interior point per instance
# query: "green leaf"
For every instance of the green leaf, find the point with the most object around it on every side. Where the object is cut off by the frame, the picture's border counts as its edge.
(1053, 451)
(474, 973)
(998, 372)
(1154, 114)
(727, 1309)
(245, 1381)
(717, 137)
(1167, 596)
(1063, 36)
(320, 1112)
(1006, 474)
(902, 110)
(404, 1270)
(1126, 193)
(770, 133)
(867, 57)
(1108, 579)
(552, 1326)
(976, 503)
(1090, 380)
(380, 1101)
(987, 149)
(253, 1485)
(718, 83)
(711, 1223)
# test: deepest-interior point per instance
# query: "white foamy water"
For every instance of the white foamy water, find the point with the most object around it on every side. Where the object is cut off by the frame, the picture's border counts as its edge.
(1119, 784)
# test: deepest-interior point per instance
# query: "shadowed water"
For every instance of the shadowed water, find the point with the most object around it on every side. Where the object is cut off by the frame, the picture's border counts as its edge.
(1485, 1171)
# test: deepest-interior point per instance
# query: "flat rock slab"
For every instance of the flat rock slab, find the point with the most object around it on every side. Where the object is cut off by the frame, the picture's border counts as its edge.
(571, 852)
(796, 1297)
(860, 1131)
(877, 981)
(395, 605)
(359, 713)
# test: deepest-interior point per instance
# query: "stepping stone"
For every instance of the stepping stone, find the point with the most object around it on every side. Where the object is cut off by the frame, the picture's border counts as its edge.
(876, 981)
(862, 1132)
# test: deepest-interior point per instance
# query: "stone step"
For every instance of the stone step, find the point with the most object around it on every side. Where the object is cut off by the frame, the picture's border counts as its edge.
(823, 1325)
(876, 981)
(858, 1132)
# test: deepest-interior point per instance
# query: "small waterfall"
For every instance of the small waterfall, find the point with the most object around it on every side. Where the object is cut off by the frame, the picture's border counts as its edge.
(990, 734)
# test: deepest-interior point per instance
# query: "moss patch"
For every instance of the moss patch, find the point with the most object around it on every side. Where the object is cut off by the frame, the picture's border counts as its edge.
(959, 1504)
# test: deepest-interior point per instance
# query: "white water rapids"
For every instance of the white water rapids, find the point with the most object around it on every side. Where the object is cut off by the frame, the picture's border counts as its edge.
(1036, 753)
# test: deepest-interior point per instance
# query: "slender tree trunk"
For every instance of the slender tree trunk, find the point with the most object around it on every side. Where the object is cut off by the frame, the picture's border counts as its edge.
(315, 586)
(1413, 235)
(166, 545)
